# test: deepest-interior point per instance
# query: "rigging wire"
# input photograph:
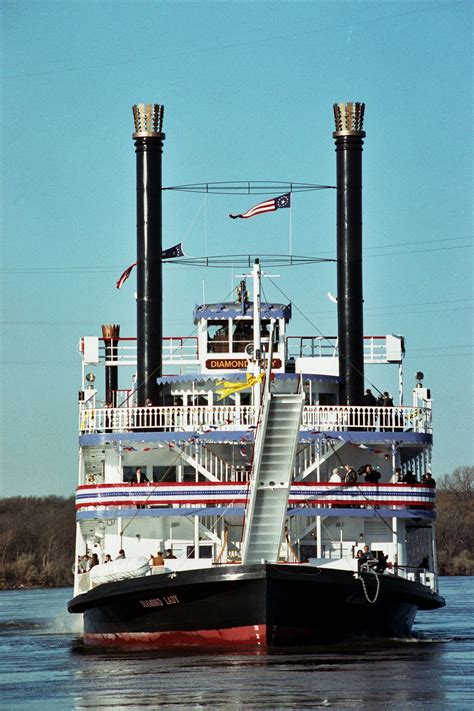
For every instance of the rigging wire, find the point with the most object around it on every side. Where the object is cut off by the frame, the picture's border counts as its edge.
(325, 338)
(129, 63)
(328, 439)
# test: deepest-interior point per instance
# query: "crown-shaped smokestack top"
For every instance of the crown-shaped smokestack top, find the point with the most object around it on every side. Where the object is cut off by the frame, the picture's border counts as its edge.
(349, 119)
(148, 119)
(110, 330)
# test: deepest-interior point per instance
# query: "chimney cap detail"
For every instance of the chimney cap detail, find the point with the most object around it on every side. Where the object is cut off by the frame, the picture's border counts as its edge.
(349, 119)
(148, 120)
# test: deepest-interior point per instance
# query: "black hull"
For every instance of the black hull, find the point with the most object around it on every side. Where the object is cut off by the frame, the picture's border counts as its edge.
(258, 605)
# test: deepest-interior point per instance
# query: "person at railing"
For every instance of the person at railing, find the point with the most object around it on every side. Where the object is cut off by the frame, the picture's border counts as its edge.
(350, 475)
(148, 413)
(365, 560)
(94, 561)
(121, 554)
(169, 554)
(428, 479)
(397, 476)
(157, 559)
(108, 558)
(421, 568)
(83, 563)
(108, 417)
(139, 477)
(371, 475)
(369, 400)
(385, 400)
(409, 478)
(335, 476)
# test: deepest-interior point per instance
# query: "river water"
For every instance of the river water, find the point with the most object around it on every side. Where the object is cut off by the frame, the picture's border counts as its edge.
(44, 665)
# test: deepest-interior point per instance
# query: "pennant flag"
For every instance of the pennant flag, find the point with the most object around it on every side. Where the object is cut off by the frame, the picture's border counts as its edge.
(125, 275)
(266, 206)
(227, 387)
(171, 252)
(176, 251)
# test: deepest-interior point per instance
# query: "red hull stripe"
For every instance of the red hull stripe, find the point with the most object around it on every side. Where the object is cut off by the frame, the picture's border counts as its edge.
(250, 635)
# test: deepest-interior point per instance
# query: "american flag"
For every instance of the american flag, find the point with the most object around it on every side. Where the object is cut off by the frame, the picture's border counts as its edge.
(266, 206)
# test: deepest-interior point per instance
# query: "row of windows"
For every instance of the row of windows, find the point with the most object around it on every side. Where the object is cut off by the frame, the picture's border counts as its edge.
(161, 474)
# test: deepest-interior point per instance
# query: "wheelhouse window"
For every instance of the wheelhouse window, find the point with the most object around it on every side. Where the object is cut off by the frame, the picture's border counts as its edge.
(242, 336)
(218, 336)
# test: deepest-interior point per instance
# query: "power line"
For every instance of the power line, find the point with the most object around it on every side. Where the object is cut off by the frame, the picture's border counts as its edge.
(113, 268)
(131, 62)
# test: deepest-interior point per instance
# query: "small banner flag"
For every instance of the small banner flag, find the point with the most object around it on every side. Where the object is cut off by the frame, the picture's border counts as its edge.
(226, 387)
(266, 206)
(170, 253)
(176, 251)
(125, 275)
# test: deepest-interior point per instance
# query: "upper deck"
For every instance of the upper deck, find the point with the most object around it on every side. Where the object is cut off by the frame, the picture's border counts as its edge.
(192, 418)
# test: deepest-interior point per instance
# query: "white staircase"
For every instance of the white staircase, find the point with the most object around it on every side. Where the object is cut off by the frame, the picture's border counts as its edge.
(275, 448)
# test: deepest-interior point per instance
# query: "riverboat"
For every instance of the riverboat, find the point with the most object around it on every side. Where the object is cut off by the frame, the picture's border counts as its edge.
(226, 474)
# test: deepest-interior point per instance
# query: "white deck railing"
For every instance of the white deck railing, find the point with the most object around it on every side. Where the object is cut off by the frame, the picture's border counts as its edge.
(200, 418)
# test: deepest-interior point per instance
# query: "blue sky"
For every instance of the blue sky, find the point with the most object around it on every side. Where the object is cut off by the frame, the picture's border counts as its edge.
(248, 90)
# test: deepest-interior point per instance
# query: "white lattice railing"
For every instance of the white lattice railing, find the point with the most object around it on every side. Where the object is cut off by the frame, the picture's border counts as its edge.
(324, 418)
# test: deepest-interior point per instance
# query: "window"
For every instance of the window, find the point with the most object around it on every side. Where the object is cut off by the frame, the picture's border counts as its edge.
(164, 473)
(189, 474)
(128, 472)
(327, 398)
(218, 336)
(204, 551)
(243, 335)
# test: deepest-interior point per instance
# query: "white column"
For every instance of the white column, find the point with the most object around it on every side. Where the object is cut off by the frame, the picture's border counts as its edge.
(257, 344)
(319, 545)
(196, 537)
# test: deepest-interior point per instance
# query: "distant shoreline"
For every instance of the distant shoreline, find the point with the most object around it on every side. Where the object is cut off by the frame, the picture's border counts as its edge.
(37, 536)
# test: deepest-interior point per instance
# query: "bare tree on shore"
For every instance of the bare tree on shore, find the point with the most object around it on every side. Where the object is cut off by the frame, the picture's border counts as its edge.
(37, 534)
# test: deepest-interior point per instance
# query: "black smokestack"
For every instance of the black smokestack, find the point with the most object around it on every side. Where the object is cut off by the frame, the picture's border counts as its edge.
(111, 335)
(148, 139)
(348, 137)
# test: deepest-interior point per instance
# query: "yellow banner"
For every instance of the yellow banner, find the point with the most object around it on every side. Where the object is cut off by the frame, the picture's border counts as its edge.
(227, 387)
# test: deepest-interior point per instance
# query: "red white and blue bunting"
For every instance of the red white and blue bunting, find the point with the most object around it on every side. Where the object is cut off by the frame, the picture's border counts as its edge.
(199, 493)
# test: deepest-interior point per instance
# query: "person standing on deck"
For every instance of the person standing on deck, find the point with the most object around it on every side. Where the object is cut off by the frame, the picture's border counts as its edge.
(139, 477)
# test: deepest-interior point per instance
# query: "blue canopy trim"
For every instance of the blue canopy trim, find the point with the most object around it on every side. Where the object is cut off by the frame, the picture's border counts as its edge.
(236, 436)
(234, 310)
(82, 515)
(239, 376)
